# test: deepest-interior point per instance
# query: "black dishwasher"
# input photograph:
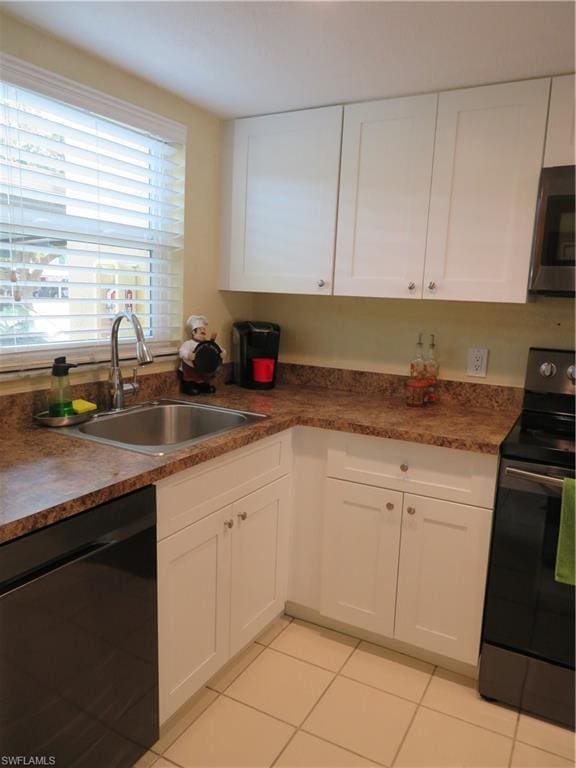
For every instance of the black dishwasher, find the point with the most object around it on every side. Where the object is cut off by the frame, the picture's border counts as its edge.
(78, 638)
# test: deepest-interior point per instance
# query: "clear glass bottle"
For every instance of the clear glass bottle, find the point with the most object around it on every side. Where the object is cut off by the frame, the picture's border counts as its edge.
(60, 398)
(416, 384)
(417, 367)
(431, 369)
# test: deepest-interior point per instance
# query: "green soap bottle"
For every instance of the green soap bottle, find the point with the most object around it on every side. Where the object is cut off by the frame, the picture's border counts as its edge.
(60, 401)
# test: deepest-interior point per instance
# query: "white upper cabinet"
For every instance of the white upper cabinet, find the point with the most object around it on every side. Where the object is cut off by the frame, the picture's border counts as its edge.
(560, 134)
(435, 195)
(282, 202)
(387, 151)
(487, 161)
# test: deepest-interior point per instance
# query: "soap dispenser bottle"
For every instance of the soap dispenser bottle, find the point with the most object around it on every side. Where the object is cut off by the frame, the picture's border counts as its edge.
(60, 400)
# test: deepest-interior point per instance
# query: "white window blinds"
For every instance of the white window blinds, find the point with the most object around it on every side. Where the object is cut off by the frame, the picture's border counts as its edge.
(91, 223)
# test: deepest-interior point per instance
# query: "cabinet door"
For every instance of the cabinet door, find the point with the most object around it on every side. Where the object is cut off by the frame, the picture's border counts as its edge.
(442, 576)
(259, 560)
(560, 132)
(387, 151)
(283, 202)
(487, 160)
(360, 555)
(193, 608)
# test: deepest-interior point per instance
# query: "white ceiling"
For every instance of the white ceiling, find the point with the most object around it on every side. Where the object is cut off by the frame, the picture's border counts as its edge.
(246, 58)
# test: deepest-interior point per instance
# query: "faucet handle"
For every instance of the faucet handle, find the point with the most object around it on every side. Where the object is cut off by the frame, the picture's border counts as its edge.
(133, 386)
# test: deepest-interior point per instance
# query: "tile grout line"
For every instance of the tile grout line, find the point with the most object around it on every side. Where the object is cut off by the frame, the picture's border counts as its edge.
(299, 727)
(548, 752)
(410, 724)
(312, 663)
(463, 720)
(516, 726)
(260, 711)
(163, 754)
(468, 722)
(383, 690)
(275, 636)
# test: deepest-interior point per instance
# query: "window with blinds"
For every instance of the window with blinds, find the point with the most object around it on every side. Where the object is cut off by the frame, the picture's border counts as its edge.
(91, 224)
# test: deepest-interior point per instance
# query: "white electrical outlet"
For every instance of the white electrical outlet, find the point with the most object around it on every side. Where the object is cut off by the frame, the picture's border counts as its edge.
(477, 362)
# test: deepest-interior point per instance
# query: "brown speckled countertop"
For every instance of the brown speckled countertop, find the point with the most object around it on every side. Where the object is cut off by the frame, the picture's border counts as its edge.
(46, 476)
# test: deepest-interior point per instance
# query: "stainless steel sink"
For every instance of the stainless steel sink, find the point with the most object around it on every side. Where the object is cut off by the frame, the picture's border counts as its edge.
(161, 426)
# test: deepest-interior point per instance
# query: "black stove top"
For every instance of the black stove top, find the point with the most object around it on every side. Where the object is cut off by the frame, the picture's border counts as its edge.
(538, 445)
(544, 432)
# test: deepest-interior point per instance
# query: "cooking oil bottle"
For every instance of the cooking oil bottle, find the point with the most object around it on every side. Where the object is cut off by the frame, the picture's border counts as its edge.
(431, 369)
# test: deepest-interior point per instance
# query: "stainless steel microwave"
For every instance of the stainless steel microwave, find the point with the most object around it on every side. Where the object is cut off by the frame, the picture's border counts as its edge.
(553, 265)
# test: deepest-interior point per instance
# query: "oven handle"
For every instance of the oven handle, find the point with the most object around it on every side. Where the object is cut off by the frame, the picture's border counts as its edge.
(521, 474)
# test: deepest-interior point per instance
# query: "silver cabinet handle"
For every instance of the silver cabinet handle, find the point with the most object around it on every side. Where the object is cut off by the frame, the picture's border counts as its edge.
(411, 510)
(404, 467)
(321, 283)
(242, 515)
(431, 285)
(571, 373)
(229, 523)
(521, 474)
(411, 286)
(389, 506)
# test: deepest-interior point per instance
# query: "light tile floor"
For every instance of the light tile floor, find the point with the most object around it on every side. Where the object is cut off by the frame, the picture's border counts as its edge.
(306, 697)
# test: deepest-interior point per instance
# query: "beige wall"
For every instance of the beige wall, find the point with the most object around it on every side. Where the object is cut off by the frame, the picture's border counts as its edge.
(202, 175)
(380, 334)
(370, 334)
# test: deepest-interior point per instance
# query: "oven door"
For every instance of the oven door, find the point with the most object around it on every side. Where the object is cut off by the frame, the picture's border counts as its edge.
(553, 261)
(526, 610)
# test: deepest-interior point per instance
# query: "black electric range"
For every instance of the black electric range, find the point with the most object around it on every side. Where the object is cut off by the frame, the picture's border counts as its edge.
(527, 656)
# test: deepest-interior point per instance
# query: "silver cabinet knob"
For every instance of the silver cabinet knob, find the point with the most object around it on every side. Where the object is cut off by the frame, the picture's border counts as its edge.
(547, 369)
(229, 523)
(321, 283)
(242, 515)
(411, 510)
(404, 467)
(431, 285)
(389, 506)
(571, 373)
(411, 286)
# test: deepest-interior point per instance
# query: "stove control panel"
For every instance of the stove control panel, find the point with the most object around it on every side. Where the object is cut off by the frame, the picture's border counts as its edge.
(551, 370)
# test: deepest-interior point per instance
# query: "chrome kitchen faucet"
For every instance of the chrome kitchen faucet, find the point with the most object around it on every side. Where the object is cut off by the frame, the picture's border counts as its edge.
(117, 387)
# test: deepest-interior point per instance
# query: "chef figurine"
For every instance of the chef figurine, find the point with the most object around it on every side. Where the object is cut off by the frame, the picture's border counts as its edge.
(200, 358)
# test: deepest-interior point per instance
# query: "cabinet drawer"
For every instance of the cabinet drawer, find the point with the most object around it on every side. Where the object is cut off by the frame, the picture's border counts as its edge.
(428, 470)
(190, 495)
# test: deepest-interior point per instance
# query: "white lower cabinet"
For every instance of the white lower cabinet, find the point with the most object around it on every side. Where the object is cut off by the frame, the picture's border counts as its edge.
(403, 565)
(406, 566)
(220, 581)
(360, 555)
(442, 576)
(193, 607)
(259, 561)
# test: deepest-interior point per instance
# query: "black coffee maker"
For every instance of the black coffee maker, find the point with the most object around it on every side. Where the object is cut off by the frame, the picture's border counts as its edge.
(255, 354)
